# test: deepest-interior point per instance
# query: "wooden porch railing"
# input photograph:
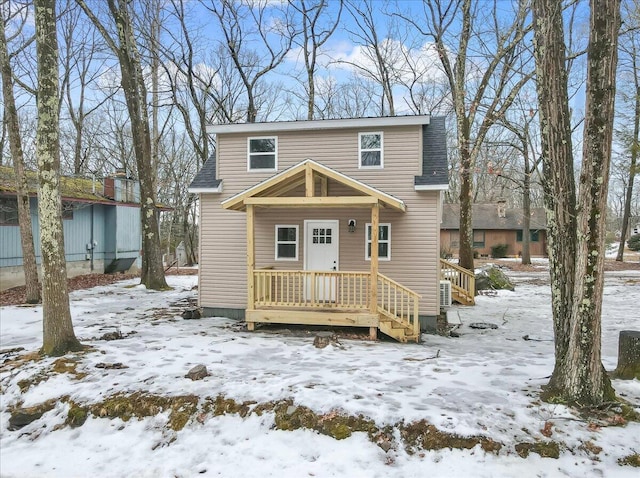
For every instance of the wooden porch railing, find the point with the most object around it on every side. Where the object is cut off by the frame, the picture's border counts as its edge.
(463, 282)
(399, 302)
(330, 289)
(397, 306)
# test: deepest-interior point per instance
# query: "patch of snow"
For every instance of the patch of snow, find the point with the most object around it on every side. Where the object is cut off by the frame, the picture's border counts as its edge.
(486, 382)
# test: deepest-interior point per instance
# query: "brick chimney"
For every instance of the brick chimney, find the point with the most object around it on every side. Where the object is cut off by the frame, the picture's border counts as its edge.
(502, 207)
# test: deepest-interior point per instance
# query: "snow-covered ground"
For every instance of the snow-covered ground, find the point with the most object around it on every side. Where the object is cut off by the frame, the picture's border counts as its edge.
(485, 382)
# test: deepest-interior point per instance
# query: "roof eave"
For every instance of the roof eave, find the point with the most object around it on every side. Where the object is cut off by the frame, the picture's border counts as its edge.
(214, 190)
(318, 124)
(431, 187)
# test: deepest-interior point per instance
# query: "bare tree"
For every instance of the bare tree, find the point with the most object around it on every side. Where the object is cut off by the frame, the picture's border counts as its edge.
(481, 90)
(203, 88)
(630, 50)
(314, 34)
(244, 25)
(521, 126)
(124, 46)
(381, 55)
(576, 222)
(12, 121)
(81, 68)
(58, 335)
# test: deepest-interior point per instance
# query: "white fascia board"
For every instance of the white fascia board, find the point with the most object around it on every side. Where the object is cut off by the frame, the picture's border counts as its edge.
(205, 190)
(318, 124)
(431, 187)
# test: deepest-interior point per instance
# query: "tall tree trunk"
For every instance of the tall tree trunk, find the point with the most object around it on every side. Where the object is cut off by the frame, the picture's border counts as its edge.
(576, 226)
(135, 92)
(526, 215)
(29, 266)
(586, 378)
(557, 167)
(466, 195)
(635, 147)
(155, 82)
(58, 335)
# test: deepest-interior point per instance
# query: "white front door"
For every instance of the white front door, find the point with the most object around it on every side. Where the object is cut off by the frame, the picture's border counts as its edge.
(321, 254)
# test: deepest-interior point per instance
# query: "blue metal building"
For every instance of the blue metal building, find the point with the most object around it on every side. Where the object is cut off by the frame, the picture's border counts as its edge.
(101, 219)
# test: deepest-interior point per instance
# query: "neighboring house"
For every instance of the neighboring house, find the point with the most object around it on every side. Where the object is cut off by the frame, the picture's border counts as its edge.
(101, 221)
(288, 216)
(494, 224)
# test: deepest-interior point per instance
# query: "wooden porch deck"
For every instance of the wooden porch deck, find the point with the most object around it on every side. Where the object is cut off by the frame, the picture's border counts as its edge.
(335, 298)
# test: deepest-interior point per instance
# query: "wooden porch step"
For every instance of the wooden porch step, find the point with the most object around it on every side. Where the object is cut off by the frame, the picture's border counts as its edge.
(396, 328)
(401, 335)
(463, 299)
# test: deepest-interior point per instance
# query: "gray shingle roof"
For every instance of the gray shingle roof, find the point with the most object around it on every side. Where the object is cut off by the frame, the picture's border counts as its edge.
(485, 216)
(434, 154)
(206, 177)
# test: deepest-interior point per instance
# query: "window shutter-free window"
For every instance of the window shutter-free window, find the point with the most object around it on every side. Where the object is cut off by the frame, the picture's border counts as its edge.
(478, 238)
(384, 242)
(370, 148)
(533, 237)
(263, 154)
(287, 243)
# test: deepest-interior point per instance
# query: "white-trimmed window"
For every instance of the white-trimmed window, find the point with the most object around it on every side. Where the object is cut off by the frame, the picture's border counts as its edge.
(370, 150)
(286, 243)
(262, 153)
(384, 242)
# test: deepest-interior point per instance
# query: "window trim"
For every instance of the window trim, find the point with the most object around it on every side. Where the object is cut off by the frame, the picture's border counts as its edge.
(250, 154)
(454, 239)
(367, 257)
(5, 200)
(360, 150)
(532, 233)
(473, 239)
(296, 242)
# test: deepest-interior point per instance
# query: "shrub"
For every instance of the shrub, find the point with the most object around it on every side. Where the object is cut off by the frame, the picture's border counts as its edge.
(499, 250)
(634, 242)
(445, 253)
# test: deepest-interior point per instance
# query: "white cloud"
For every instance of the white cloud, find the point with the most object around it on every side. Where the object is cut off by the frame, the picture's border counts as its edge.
(407, 63)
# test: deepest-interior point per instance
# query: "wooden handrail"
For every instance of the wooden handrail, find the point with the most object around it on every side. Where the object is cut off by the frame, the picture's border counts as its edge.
(405, 308)
(462, 280)
(346, 290)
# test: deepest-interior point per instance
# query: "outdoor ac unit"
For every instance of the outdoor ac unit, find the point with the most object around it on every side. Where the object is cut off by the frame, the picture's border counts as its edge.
(445, 293)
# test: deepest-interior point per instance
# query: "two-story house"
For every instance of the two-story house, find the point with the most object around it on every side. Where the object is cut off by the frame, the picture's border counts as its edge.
(327, 222)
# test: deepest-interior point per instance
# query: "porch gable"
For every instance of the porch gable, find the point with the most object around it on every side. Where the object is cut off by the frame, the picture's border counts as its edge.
(272, 192)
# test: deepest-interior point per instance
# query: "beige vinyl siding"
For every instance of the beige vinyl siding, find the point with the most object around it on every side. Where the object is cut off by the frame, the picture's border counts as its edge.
(414, 234)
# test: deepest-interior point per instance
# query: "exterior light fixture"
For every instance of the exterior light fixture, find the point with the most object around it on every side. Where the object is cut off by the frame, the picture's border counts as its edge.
(352, 225)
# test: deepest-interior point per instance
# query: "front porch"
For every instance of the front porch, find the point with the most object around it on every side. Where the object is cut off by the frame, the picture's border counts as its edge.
(321, 294)
(335, 298)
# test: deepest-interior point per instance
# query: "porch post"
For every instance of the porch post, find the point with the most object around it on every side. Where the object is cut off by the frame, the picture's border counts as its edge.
(309, 185)
(251, 261)
(373, 294)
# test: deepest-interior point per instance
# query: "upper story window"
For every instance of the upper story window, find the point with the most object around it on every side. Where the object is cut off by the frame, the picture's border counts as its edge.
(370, 148)
(263, 154)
